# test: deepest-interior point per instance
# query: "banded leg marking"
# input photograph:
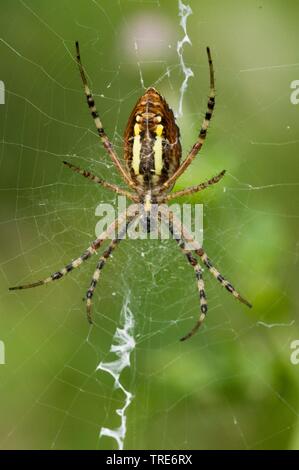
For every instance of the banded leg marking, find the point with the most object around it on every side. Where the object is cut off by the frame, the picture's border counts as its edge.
(96, 276)
(181, 229)
(203, 131)
(200, 283)
(197, 188)
(78, 261)
(67, 268)
(100, 265)
(105, 184)
(225, 283)
(95, 115)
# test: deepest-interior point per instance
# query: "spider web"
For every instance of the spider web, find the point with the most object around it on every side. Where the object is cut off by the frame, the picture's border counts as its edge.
(126, 382)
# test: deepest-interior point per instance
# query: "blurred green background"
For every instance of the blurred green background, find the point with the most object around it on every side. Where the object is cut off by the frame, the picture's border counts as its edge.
(231, 386)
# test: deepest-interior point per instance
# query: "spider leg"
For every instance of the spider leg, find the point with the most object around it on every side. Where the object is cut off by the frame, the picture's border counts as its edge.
(195, 189)
(207, 262)
(105, 184)
(97, 274)
(181, 229)
(78, 261)
(224, 282)
(203, 131)
(198, 274)
(102, 134)
(62, 272)
(100, 265)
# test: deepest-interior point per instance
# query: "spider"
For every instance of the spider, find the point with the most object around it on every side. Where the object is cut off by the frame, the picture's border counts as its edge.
(152, 154)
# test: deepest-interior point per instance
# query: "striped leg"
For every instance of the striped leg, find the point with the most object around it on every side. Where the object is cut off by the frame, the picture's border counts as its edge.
(207, 262)
(105, 184)
(62, 272)
(86, 255)
(203, 131)
(101, 263)
(97, 274)
(195, 189)
(181, 229)
(200, 283)
(103, 136)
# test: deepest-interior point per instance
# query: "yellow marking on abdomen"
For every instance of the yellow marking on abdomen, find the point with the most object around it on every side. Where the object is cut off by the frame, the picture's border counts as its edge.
(158, 150)
(159, 130)
(136, 149)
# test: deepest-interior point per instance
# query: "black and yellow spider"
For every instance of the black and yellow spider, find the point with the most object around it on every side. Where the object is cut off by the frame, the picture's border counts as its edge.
(152, 152)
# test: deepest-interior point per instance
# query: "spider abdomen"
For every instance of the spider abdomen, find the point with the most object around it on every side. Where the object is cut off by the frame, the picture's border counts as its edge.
(152, 141)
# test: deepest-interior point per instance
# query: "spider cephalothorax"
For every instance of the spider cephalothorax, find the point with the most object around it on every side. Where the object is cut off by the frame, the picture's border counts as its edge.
(152, 153)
